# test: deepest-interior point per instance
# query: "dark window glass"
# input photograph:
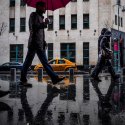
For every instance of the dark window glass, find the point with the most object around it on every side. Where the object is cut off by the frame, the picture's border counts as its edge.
(86, 91)
(86, 119)
(85, 0)
(16, 53)
(73, 21)
(68, 51)
(121, 22)
(22, 3)
(52, 62)
(116, 19)
(50, 51)
(119, 2)
(22, 24)
(12, 25)
(62, 22)
(85, 21)
(86, 55)
(50, 26)
(12, 3)
(61, 62)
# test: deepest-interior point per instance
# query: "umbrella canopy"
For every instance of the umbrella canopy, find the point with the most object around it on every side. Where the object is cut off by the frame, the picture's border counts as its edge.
(50, 4)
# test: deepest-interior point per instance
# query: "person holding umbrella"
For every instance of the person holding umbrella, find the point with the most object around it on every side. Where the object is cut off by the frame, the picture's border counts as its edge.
(37, 44)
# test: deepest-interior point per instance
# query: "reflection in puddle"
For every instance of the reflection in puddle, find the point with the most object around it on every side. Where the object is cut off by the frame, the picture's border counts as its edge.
(79, 101)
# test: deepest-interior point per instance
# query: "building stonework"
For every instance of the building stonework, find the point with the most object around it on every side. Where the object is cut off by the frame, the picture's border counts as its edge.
(101, 14)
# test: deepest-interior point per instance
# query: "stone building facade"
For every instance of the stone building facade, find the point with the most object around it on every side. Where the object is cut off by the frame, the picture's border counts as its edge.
(72, 34)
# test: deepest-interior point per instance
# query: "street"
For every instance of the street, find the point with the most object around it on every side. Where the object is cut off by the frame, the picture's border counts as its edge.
(78, 102)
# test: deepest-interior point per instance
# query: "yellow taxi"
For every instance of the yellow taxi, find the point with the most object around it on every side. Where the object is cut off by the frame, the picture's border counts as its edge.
(59, 65)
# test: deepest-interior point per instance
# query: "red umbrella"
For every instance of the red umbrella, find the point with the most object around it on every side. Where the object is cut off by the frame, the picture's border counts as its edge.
(50, 4)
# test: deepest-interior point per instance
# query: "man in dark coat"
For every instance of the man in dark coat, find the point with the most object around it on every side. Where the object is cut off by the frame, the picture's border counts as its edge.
(100, 38)
(37, 44)
(105, 55)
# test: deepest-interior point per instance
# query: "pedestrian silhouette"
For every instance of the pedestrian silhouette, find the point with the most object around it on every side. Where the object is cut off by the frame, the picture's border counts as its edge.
(104, 59)
(104, 105)
(39, 119)
(37, 44)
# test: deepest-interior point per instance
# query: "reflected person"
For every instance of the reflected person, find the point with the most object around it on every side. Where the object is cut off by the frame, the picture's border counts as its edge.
(104, 105)
(39, 119)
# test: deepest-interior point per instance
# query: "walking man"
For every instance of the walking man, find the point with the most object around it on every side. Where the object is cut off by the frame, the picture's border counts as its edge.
(100, 38)
(104, 59)
(37, 44)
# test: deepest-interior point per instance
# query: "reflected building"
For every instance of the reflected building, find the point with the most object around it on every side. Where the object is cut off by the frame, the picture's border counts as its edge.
(86, 119)
(14, 90)
(86, 91)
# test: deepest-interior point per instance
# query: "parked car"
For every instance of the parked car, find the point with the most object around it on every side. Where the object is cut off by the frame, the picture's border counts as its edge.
(59, 65)
(8, 65)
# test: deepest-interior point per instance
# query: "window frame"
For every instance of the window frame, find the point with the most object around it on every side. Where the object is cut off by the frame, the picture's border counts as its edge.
(86, 15)
(11, 25)
(23, 26)
(62, 25)
(73, 23)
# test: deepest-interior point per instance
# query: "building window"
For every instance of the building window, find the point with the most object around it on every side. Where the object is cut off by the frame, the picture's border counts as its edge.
(86, 119)
(86, 55)
(68, 51)
(118, 2)
(86, 90)
(22, 24)
(116, 19)
(73, 0)
(50, 51)
(73, 21)
(85, 21)
(50, 26)
(85, 0)
(121, 22)
(62, 22)
(22, 3)
(12, 3)
(12, 25)
(16, 53)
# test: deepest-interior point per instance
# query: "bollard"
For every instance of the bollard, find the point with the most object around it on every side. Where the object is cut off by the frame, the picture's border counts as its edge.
(71, 75)
(13, 74)
(40, 75)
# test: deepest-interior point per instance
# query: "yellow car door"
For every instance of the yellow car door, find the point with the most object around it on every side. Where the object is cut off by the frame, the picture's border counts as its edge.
(53, 64)
(61, 65)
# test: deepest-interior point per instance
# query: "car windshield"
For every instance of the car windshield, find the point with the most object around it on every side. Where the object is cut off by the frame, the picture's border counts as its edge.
(13, 63)
(5, 64)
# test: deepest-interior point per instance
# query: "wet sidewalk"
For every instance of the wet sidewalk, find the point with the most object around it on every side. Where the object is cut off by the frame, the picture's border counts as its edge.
(80, 101)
